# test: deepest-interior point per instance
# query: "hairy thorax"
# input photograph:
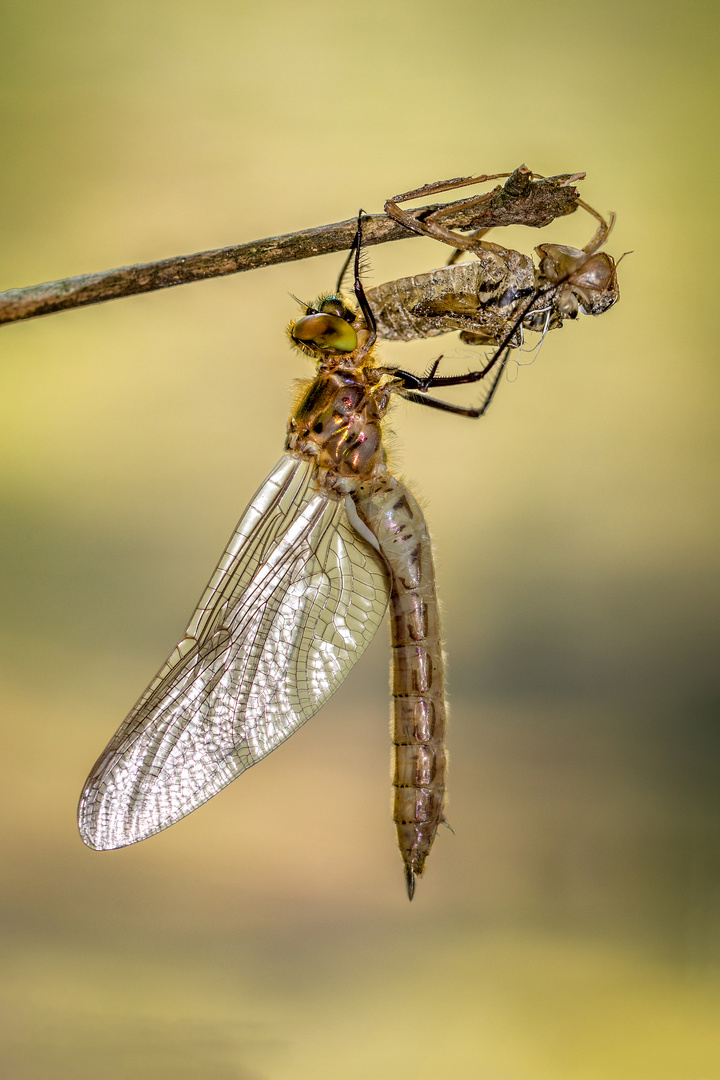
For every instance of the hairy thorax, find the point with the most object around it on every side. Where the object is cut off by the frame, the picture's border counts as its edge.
(337, 425)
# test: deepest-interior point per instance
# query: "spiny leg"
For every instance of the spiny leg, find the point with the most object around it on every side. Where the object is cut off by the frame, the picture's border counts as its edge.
(411, 381)
(346, 266)
(420, 384)
(360, 296)
(420, 398)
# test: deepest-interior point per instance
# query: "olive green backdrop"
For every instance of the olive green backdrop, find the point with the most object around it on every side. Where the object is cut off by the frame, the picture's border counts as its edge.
(569, 929)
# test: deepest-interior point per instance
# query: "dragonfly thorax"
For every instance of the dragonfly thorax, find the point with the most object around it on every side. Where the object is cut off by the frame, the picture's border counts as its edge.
(337, 424)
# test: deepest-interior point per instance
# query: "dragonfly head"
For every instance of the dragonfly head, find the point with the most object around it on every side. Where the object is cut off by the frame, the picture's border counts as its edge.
(325, 328)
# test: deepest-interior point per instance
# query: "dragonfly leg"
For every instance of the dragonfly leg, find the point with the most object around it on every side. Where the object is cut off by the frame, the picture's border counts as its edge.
(420, 398)
(410, 380)
(412, 385)
(497, 360)
(345, 267)
(360, 296)
(423, 383)
(469, 377)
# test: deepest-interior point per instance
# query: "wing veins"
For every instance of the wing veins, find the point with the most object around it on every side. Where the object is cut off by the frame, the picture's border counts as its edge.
(270, 642)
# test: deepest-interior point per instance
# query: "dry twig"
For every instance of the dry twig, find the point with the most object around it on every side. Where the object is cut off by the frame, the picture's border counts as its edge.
(522, 200)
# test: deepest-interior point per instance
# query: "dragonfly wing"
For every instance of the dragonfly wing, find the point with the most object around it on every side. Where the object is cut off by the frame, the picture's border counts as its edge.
(294, 602)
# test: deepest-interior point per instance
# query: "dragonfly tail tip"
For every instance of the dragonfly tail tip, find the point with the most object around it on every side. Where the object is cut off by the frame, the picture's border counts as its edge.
(410, 881)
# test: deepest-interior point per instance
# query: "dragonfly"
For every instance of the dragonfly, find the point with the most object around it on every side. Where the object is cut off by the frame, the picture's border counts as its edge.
(328, 542)
(482, 298)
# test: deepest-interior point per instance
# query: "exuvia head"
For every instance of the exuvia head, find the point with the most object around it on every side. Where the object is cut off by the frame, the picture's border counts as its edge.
(585, 282)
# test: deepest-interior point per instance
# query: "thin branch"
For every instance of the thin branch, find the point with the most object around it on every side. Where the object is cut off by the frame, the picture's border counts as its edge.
(520, 201)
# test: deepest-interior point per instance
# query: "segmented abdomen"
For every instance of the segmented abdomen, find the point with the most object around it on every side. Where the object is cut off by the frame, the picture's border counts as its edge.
(480, 298)
(396, 520)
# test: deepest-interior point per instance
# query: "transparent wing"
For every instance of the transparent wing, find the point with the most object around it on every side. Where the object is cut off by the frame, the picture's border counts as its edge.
(295, 600)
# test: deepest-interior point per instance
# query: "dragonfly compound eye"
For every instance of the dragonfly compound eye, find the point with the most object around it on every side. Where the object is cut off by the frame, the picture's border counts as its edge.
(335, 305)
(325, 331)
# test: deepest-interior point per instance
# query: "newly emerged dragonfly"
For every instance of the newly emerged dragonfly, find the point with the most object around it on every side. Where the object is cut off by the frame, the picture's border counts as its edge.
(482, 298)
(330, 538)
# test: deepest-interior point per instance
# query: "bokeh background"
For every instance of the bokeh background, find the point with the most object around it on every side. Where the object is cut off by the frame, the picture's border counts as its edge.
(570, 928)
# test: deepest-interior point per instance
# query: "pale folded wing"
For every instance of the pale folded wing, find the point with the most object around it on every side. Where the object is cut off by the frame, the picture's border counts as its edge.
(295, 600)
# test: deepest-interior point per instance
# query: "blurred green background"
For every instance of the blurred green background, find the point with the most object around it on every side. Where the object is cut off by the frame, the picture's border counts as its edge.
(570, 929)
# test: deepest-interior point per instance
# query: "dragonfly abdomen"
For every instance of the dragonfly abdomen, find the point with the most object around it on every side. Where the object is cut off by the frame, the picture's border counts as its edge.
(418, 685)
